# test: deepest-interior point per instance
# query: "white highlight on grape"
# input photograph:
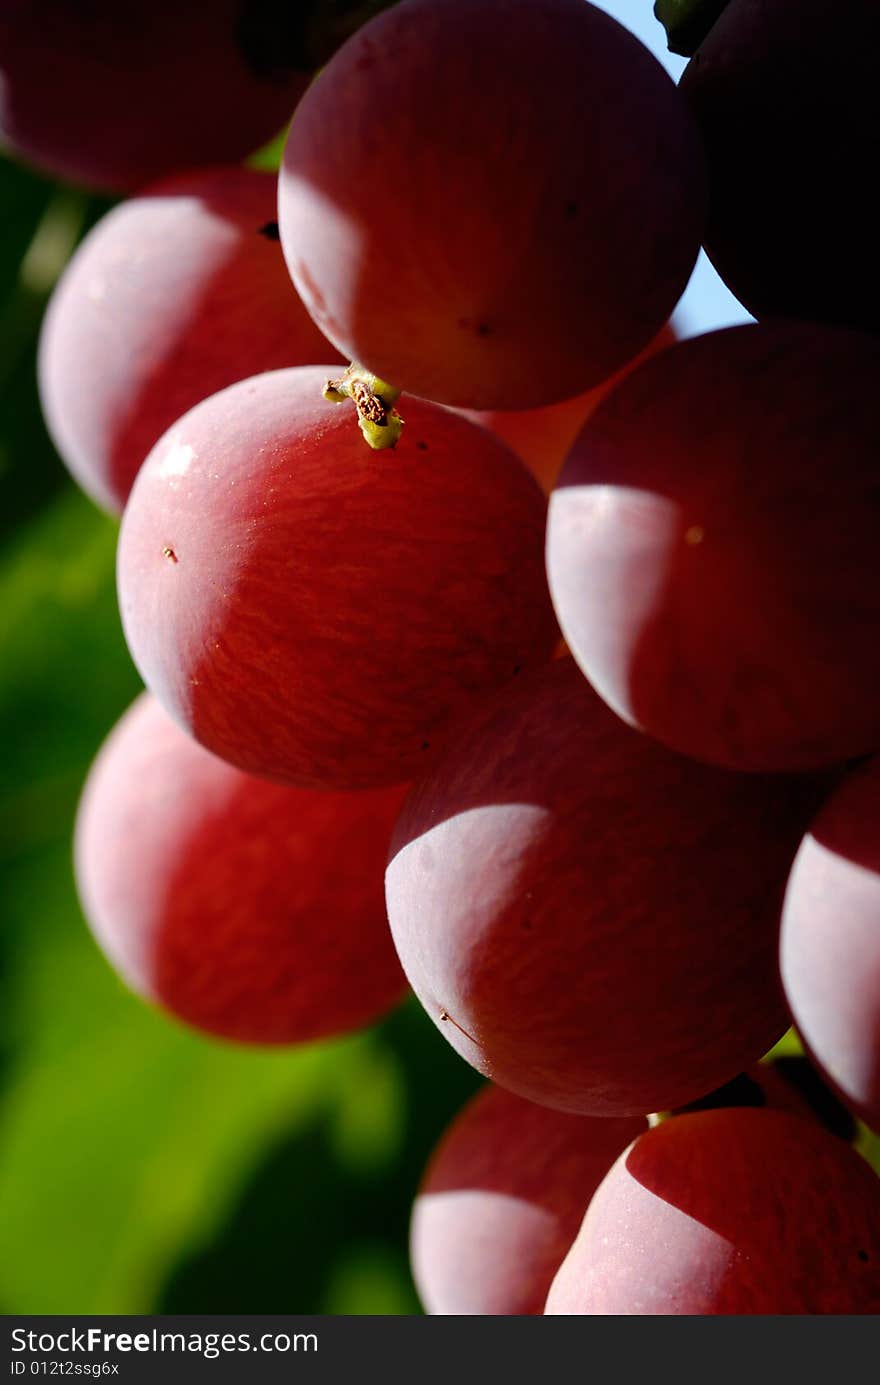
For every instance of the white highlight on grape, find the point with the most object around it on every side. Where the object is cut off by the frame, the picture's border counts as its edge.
(344, 241)
(177, 460)
(634, 536)
(646, 1225)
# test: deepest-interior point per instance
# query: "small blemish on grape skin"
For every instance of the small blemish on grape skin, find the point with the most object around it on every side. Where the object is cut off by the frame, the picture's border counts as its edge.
(445, 1018)
(571, 210)
(422, 446)
(694, 535)
(170, 554)
(270, 231)
(481, 329)
(864, 1256)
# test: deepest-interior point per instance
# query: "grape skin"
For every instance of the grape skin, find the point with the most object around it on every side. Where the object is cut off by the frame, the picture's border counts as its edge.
(475, 247)
(501, 1202)
(728, 1212)
(318, 612)
(250, 911)
(175, 294)
(830, 941)
(591, 920)
(114, 96)
(713, 547)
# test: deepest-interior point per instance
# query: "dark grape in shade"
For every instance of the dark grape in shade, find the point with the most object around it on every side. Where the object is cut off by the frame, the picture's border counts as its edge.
(785, 98)
(115, 95)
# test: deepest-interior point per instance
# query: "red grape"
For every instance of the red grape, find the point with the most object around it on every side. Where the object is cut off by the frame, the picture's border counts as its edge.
(490, 204)
(174, 295)
(316, 611)
(785, 98)
(591, 919)
(714, 547)
(728, 1212)
(116, 95)
(830, 941)
(247, 909)
(502, 1199)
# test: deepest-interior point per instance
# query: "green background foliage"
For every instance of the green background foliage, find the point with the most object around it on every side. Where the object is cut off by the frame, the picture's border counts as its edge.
(142, 1167)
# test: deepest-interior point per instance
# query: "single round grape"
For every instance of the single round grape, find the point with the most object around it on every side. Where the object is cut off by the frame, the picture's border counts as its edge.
(591, 920)
(728, 1212)
(114, 96)
(248, 910)
(830, 941)
(491, 204)
(175, 294)
(316, 611)
(786, 102)
(502, 1200)
(713, 547)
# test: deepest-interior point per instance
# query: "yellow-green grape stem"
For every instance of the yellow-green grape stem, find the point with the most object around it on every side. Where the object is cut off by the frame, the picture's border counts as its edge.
(379, 421)
(380, 436)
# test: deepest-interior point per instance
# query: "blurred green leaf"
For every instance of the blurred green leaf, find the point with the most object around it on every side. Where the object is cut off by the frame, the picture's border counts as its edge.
(40, 226)
(23, 197)
(371, 1278)
(67, 674)
(124, 1139)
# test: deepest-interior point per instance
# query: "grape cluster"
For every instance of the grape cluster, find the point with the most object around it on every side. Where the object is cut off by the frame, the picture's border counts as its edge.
(616, 865)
